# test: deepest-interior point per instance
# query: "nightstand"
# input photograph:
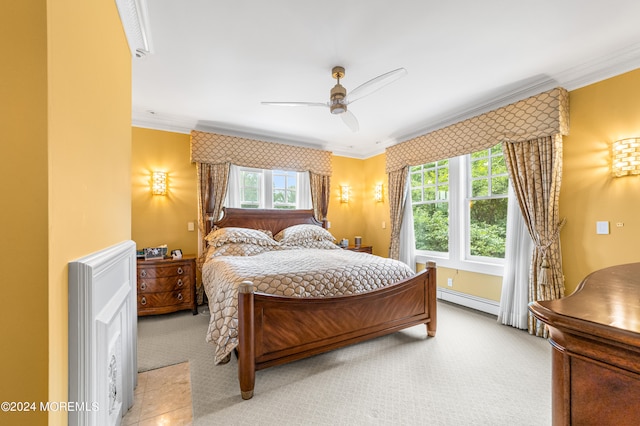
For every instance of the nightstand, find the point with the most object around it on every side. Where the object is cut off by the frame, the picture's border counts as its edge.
(363, 249)
(166, 285)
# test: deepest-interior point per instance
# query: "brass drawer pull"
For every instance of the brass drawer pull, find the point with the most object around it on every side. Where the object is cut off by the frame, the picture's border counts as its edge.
(180, 271)
(180, 296)
(143, 286)
(180, 282)
(143, 273)
(143, 301)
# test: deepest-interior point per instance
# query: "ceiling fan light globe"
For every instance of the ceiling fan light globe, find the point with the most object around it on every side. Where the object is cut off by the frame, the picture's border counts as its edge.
(338, 108)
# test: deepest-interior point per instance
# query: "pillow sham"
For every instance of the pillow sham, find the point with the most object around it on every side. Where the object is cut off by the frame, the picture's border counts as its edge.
(239, 249)
(221, 236)
(324, 245)
(296, 234)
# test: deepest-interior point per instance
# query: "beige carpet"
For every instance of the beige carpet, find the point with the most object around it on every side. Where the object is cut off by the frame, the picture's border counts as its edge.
(474, 372)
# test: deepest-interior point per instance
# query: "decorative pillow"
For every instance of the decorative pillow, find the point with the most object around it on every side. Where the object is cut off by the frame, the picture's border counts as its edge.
(239, 249)
(324, 244)
(221, 236)
(297, 234)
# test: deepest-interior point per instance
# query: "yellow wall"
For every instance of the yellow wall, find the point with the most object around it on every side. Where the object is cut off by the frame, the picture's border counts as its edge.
(70, 88)
(24, 312)
(600, 114)
(158, 219)
(481, 285)
(362, 216)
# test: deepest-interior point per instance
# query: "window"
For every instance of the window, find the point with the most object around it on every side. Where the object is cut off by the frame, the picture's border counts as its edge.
(487, 196)
(285, 187)
(460, 210)
(268, 189)
(430, 199)
(250, 188)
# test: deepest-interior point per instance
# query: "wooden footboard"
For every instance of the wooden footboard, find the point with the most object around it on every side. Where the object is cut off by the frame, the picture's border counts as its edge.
(273, 330)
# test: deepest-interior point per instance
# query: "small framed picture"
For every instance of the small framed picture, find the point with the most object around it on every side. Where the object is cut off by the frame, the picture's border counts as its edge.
(153, 253)
(176, 254)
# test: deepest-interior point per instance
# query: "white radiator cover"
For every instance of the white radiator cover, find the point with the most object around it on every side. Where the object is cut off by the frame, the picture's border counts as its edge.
(102, 335)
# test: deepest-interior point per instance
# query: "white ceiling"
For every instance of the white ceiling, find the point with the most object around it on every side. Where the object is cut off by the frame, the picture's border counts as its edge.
(212, 62)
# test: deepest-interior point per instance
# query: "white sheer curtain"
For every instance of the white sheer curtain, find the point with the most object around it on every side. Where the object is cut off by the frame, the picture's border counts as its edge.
(233, 191)
(304, 191)
(517, 264)
(407, 235)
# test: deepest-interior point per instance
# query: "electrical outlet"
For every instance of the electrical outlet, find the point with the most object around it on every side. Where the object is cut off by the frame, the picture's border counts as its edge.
(191, 226)
(450, 282)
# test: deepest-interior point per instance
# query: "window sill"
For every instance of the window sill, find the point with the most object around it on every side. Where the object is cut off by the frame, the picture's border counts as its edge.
(463, 265)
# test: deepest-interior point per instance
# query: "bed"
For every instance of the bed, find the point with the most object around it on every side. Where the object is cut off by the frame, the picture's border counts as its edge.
(279, 290)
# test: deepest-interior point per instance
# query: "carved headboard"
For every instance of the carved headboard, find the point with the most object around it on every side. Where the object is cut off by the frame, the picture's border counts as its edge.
(274, 220)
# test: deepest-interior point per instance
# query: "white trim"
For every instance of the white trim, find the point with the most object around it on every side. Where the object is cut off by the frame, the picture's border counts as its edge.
(468, 300)
(102, 325)
(134, 15)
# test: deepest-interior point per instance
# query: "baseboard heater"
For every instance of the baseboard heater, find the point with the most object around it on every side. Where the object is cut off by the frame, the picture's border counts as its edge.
(468, 300)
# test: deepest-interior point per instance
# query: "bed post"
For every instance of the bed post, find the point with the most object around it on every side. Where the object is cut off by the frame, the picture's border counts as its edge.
(246, 339)
(432, 324)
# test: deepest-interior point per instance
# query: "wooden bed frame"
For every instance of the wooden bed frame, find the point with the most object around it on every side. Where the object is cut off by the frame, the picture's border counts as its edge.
(274, 330)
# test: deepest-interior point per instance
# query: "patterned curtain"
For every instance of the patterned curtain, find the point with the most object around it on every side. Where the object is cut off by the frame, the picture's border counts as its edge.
(212, 189)
(397, 194)
(320, 195)
(535, 170)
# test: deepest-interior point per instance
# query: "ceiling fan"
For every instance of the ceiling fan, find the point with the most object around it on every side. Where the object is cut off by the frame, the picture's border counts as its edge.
(339, 100)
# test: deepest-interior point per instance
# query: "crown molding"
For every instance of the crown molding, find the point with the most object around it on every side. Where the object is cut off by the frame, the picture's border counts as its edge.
(608, 66)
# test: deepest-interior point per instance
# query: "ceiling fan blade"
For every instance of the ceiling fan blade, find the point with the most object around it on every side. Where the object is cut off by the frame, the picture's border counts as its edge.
(295, 104)
(375, 84)
(350, 120)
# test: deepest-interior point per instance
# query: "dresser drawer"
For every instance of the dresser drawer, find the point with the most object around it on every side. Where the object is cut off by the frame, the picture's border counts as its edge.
(163, 271)
(166, 285)
(156, 285)
(167, 298)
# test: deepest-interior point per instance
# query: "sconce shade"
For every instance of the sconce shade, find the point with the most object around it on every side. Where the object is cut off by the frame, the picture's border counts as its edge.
(159, 183)
(377, 193)
(626, 157)
(344, 193)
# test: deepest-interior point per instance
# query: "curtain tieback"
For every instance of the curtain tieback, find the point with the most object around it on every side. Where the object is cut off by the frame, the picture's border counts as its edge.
(545, 270)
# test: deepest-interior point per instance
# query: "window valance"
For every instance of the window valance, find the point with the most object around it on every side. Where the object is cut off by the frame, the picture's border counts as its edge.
(213, 148)
(545, 114)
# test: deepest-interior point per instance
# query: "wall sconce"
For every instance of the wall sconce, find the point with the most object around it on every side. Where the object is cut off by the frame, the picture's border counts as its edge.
(626, 157)
(159, 183)
(344, 193)
(377, 193)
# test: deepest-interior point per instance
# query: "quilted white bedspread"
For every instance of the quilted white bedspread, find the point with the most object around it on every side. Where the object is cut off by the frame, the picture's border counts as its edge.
(294, 273)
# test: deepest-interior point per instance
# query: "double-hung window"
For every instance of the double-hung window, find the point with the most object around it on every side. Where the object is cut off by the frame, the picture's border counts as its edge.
(460, 210)
(268, 189)
(487, 191)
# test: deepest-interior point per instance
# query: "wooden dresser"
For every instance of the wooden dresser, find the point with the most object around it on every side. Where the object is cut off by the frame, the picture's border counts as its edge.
(166, 285)
(595, 335)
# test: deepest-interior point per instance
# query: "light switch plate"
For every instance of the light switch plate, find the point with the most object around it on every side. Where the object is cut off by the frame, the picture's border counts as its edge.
(602, 227)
